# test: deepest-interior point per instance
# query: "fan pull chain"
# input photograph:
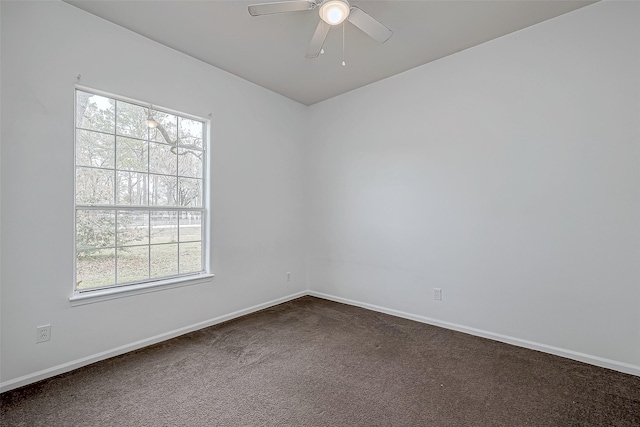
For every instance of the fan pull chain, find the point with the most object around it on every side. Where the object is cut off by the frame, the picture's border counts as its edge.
(343, 63)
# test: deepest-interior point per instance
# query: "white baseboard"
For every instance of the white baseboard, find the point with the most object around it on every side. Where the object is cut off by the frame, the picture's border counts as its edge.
(569, 354)
(70, 366)
(66, 367)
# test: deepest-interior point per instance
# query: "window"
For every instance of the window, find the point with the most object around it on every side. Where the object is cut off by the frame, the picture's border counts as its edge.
(140, 212)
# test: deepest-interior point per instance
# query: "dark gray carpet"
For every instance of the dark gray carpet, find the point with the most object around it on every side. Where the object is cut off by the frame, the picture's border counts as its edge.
(312, 362)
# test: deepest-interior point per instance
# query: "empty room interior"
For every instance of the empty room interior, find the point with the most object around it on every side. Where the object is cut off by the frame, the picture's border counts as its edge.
(408, 213)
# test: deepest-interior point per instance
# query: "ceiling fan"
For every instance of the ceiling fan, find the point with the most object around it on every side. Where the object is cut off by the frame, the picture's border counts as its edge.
(332, 12)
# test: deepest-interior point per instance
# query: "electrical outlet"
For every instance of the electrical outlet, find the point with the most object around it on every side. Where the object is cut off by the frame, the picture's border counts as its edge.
(43, 333)
(288, 276)
(437, 294)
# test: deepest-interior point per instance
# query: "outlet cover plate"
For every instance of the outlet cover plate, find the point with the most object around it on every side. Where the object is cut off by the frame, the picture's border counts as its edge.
(43, 333)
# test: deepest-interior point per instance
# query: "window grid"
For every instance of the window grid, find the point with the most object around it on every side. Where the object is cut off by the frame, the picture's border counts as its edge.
(116, 208)
(115, 189)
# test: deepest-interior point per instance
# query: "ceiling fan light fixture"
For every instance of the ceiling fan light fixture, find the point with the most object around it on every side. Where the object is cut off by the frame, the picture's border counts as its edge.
(334, 12)
(151, 123)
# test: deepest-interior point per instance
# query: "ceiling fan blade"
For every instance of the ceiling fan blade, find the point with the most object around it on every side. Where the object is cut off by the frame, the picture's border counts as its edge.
(368, 25)
(280, 7)
(318, 39)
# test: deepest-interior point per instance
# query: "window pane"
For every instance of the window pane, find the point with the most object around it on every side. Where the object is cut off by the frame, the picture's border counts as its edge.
(190, 163)
(190, 226)
(164, 227)
(168, 123)
(132, 154)
(94, 149)
(95, 112)
(133, 228)
(133, 169)
(162, 160)
(131, 120)
(94, 186)
(190, 192)
(190, 132)
(164, 260)
(133, 263)
(95, 268)
(190, 257)
(163, 190)
(132, 188)
(95, 229)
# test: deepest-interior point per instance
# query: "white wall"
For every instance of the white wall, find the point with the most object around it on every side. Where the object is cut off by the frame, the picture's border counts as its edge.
(508, 175)
(256, 188)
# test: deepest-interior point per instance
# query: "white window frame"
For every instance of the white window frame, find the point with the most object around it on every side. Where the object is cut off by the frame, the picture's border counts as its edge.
(117, 290)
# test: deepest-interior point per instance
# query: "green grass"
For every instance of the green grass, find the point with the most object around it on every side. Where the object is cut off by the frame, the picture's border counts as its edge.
(98, 268)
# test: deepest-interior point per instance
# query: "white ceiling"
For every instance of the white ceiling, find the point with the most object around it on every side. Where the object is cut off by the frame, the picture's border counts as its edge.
(270, 50)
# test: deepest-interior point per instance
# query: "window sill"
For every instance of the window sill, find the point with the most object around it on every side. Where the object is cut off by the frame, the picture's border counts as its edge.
(91, 297)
